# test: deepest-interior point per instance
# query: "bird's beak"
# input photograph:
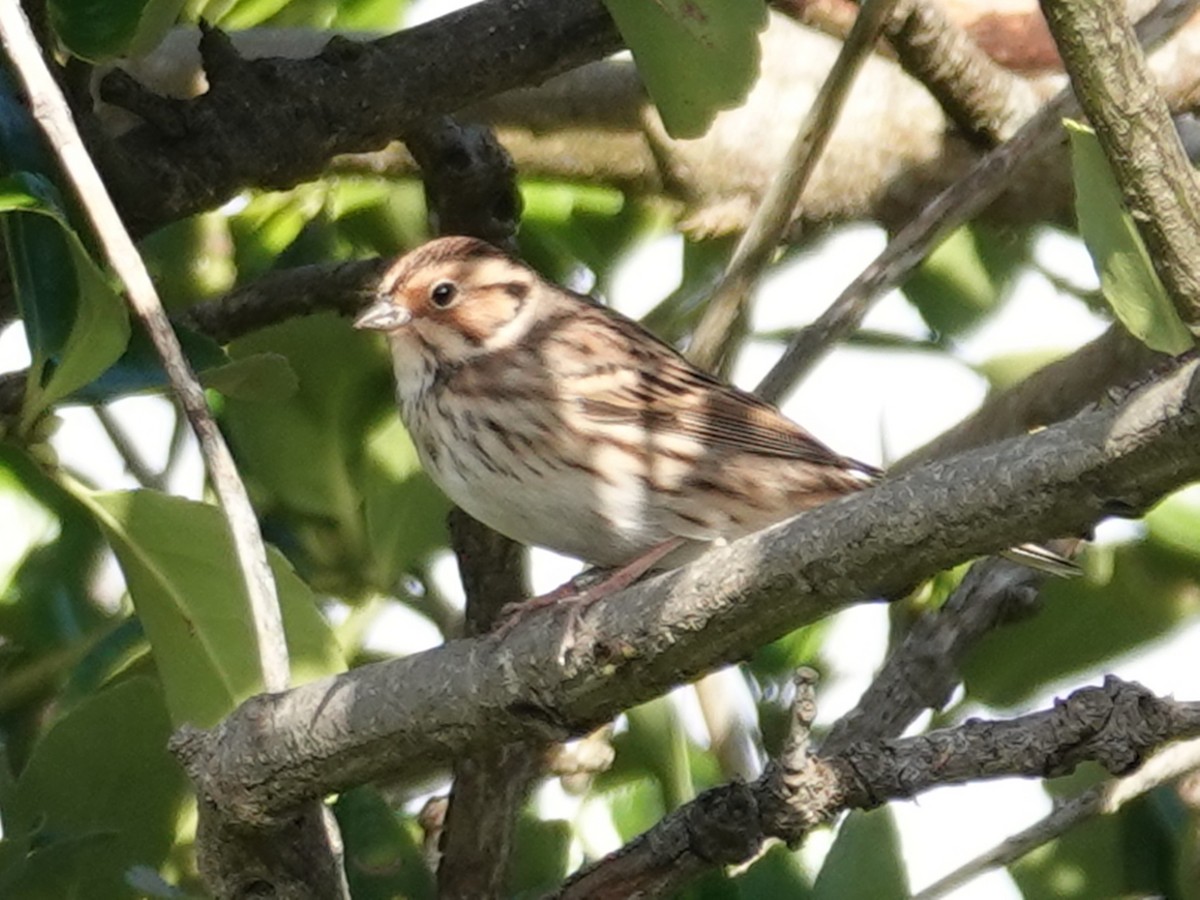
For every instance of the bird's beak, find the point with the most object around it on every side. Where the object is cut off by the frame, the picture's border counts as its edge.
(383, 315)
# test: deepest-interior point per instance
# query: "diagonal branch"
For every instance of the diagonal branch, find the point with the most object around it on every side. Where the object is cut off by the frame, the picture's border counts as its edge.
(1101, 800)
(723, 322)
(955, 206)
(1116, 725)
(414, 713)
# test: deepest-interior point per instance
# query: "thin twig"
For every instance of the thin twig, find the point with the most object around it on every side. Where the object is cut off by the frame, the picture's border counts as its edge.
(1101, 800)
(722, 323)
(955, 206)
(51, 111)
(130, 455)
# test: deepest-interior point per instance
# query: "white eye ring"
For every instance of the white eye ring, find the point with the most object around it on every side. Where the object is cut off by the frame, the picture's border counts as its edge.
(443, 293)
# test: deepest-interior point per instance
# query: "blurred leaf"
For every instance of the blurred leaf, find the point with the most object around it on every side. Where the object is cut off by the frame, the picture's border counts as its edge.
(777, 873)
(270, 223)
(405, 511)
(1174, 524)
(696, 57)
(190, 260)
(864, 860)
(332, 464)
(377, 215)
(566, 225)
(656, 738)
(372, 15)
(158, 18)
(96, 29)
(76, 324)
(259, 377)
(101, 794)
(100, 30)
(779, 659)
(383, 858)
(192, 602)
(253, 378)
(1082, 623)
(1127, 276)
(1130, 854)
(540, 856)
(636, 803)
(1011, 368)
(966, 276)
(304, 450)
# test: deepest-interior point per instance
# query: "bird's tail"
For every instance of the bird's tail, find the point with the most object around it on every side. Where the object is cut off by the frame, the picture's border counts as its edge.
(1043, 559)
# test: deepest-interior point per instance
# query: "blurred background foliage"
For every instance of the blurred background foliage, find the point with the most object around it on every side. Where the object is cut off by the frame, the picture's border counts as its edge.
(99, 662)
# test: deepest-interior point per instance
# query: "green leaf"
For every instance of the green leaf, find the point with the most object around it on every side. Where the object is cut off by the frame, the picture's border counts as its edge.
(540, 858)
(100, 794)
(1084, 621)
(696, 57)
(966, 276)
(1127, 277)
(76, 323)
(259, 377)
(864, 860)
(98, 30)
(1131, 854)
(332, 464)
(405, 511)
(383, 858)
(777, 873)
(178, 563)
(270, 223)
(1008, 369)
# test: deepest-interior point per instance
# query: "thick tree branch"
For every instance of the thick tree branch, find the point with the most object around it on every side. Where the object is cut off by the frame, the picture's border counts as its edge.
(1116, 725)
(414, 713)
(277, 122)
(1133, 124)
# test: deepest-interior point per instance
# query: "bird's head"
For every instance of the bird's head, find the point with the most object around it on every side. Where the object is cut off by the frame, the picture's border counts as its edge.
(455, 297)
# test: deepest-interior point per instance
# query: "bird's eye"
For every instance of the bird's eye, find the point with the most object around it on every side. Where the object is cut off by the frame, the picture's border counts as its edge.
(443, 293)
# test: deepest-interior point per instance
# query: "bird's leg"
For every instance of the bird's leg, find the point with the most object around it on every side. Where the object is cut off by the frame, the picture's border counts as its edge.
(587, 587)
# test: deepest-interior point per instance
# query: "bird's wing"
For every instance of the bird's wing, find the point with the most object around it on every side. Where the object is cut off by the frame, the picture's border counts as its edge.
(657, 388)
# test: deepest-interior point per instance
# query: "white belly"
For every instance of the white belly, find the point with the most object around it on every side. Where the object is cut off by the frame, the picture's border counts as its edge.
(536, 501)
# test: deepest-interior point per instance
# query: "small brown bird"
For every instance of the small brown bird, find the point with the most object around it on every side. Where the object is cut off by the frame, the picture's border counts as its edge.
(561, 423)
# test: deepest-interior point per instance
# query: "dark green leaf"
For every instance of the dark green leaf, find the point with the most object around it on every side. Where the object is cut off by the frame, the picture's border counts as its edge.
(966, 276)
(383, 858)
(540, 858)
(76, 324)
(1133, 853)
(696, 57)
(864, 860)
(1120, 604)
(777, 873)
(101, 794)
(1127, 276)
(102, 29)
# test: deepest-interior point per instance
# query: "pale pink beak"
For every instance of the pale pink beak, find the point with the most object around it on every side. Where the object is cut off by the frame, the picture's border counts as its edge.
(383, 315)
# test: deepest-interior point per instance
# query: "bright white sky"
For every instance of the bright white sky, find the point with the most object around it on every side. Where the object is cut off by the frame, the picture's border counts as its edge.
(868, 404)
